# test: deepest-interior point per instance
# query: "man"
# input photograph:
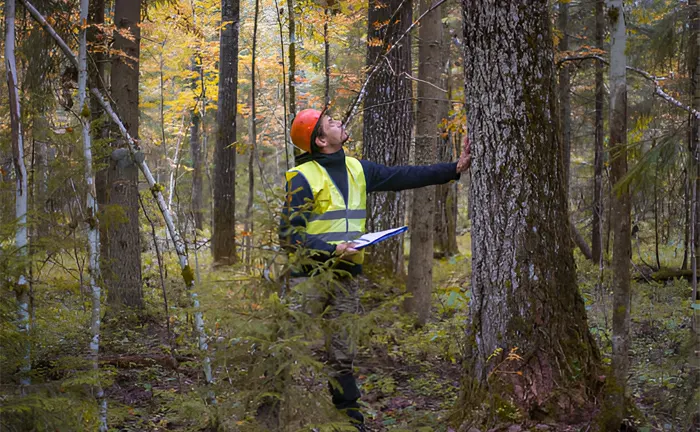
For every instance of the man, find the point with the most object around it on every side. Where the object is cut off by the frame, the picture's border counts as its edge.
(325, 210)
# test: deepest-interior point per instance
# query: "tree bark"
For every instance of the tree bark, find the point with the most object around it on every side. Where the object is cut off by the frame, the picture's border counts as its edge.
(622, 244)
(121, 261)
(92, 220)
(528, 328)
(446, 195)
(253, 144)
(597, 230)
(565, 93)
(387, 126)
(223, 244)
(197, 186)
(21, 281)
(420, 263)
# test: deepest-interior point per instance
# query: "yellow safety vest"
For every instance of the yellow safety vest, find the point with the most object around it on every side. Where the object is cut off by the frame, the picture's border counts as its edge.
(332, 219)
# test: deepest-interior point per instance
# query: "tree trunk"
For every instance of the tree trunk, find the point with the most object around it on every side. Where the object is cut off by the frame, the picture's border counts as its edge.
(92, 221)
(446, 195)
(694, 170)
(253, 144)
(223, 244)
(21, 195)
(388, 124)
(197, 187)
(565, 93)
(292, 61)
(420, 263)
(121, 261)
(597, 234)
(528, 326)
(622, 245)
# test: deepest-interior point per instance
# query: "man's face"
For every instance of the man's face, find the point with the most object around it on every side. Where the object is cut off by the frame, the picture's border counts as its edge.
(331, 136)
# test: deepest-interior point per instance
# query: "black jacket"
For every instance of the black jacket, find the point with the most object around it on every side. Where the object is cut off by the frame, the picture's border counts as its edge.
(378, 178)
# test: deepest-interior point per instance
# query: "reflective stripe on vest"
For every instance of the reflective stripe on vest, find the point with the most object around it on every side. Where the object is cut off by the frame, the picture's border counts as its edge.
(332, 219)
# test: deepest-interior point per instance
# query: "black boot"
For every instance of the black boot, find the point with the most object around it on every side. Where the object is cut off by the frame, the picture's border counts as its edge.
(345, 396)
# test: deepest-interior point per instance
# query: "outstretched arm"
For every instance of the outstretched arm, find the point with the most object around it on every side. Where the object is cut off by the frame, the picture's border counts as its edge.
(380, 178)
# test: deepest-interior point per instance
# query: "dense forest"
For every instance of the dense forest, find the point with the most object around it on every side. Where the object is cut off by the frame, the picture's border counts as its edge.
(146, 160)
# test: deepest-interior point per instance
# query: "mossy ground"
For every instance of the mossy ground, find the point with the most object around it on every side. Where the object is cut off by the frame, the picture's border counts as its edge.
(409, 377)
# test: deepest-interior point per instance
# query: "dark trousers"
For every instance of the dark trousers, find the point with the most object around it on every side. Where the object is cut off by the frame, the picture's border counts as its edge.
(340, 299)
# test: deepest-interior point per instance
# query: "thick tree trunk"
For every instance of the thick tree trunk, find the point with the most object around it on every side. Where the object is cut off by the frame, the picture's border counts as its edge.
(21, 280)
(528, 328)
(223, 242)
(597, 230)
(388, 124)
(420, 263)
(446, 195)
(197, 187)
(622, 244)
(121, 260)
(92, 220)
(565, 93)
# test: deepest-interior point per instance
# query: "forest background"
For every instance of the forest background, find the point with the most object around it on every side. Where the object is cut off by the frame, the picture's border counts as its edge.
(155, 300)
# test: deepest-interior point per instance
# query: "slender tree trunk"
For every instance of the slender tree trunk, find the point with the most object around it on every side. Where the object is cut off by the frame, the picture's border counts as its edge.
(21, 194)
(597, 231)
(694, 170)
(622, 246)
(387, 127)
(420, 263)
(656, 217)
(686, 210)
(122, 251)
(528, 326)
(253, 143)
(223, 242)
(292, 60)
(565, 118)
(446, 195)
(197, 186)
(91, 214)
(327, 60)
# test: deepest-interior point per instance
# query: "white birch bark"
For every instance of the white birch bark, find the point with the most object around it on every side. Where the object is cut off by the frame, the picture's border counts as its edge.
(156, 190)
(91, 210)
(21, 193)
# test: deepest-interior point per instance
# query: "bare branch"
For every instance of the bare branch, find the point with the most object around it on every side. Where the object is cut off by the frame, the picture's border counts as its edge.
(658, 90)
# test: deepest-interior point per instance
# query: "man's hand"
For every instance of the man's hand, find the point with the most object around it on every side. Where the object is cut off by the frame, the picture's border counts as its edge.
(465, 158)
(345, 249)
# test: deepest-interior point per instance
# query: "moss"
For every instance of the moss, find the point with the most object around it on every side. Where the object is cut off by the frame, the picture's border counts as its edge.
(188, 275)
(157, 187)
(85, 112)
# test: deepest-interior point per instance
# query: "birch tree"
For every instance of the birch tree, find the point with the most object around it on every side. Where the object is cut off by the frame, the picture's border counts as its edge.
(528, 327)
(430, 97)
(91, 214)
(620, 223)
(21, 191)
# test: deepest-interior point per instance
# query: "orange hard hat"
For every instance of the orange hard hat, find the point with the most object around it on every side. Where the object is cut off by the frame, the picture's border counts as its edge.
(303, 127)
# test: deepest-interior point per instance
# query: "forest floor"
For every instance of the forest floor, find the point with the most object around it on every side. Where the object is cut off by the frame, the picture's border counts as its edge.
(409, 377)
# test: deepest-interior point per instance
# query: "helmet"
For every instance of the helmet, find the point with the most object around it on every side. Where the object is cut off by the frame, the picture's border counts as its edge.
(303, 127)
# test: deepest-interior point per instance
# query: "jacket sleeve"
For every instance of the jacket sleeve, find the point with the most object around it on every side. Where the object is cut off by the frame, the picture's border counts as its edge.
(296, 211)
(381, 178)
